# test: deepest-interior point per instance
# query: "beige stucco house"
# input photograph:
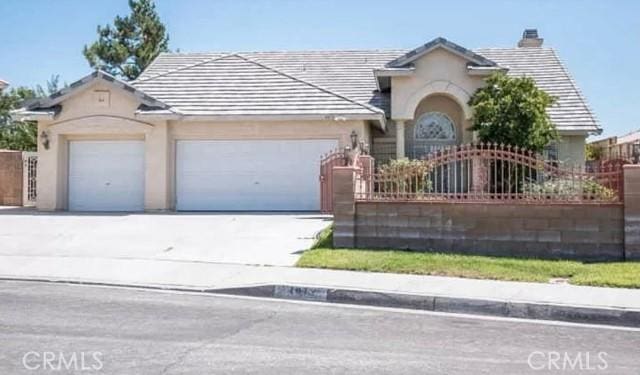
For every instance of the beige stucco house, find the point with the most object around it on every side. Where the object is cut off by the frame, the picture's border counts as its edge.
(245, 131)
(3, 84)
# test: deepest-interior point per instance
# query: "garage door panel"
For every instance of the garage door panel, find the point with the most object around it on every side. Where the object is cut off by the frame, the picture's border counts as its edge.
(106, 175)
(249, 175)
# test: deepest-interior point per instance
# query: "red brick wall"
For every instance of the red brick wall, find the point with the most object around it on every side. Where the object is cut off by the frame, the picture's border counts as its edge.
(10, 178)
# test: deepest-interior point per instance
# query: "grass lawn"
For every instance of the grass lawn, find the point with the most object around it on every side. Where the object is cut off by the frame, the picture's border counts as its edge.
(322, 255)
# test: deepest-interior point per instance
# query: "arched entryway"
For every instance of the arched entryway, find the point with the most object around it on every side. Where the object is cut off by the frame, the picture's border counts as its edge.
(438, 122)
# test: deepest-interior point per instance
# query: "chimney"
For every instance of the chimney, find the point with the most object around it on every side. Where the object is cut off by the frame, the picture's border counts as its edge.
(530, 39)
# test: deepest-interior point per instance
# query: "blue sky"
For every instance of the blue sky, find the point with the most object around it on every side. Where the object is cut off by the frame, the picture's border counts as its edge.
(598, 40)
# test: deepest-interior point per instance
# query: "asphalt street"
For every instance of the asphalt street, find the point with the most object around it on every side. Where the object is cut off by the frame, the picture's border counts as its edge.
(58, 329)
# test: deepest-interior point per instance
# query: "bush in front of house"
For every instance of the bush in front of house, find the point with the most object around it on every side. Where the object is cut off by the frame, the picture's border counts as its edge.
(404, 176)
(513, 111)
(571, 189)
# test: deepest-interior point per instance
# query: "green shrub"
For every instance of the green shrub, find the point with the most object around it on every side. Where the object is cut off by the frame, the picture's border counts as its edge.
(405, 176)
(576, 189)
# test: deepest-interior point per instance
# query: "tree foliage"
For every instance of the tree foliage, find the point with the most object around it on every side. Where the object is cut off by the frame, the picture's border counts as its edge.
(21, 135)
(513, 111)
(128, 47)
(593, 152)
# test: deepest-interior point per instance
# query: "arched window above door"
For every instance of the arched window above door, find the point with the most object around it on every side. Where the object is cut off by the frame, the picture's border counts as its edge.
(435, 127)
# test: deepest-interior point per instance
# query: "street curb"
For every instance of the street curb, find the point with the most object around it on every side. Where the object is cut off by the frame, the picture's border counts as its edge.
(524, 310)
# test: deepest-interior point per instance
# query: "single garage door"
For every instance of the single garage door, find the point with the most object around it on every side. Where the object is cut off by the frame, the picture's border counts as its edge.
(273, 175)
(106, 176)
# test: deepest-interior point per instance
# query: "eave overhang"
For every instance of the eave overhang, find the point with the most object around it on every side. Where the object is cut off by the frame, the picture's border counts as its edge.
(579, 131)
(474, 70)
(383, 76)
(23, 114)
(378, 118)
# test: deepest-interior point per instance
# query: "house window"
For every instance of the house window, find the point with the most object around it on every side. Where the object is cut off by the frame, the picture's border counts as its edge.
(550, 152)
(435, 127)
(433, 131)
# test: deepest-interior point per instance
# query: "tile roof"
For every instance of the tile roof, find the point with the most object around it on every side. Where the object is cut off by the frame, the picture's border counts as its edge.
(325, 81)
(242, 84)
(571, 111)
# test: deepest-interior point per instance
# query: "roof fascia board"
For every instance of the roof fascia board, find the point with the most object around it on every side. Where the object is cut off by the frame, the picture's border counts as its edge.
(26, 115)
(209, 117)
(379, 119)
(383, 76)
(394, 72)
(584, 132)
(484, 70)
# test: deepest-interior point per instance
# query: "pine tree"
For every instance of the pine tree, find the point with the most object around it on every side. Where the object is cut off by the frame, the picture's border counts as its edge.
(128, 47)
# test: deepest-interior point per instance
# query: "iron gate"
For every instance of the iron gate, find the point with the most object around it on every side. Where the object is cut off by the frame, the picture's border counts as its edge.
(336, 158)
(29, 170)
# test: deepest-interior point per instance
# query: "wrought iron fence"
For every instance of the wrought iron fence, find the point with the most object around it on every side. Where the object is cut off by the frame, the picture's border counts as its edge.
(491, 172)
(29, 170)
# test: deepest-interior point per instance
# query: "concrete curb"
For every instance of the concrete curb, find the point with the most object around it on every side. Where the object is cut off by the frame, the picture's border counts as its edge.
(509, 309)
(523, 310)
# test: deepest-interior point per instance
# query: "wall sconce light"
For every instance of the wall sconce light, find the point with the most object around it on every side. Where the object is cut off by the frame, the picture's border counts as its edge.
(635, 152)
(354, 139)
(44, 139)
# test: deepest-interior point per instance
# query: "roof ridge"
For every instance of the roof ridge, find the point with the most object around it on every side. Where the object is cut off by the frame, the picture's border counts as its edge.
(515, 48)
(577, 89)
(290, 51)
(342, 96)
(184, 67)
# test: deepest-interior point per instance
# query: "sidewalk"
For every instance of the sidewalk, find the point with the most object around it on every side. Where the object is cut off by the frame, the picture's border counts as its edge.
(487, 297)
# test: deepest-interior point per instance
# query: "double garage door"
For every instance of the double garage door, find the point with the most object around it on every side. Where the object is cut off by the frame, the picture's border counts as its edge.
(274, 175)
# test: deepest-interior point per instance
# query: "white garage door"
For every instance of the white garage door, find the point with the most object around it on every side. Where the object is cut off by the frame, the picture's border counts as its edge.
(274, 175)
(106, 176)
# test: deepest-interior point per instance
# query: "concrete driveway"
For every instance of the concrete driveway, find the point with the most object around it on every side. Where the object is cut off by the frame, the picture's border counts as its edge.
(244, 238)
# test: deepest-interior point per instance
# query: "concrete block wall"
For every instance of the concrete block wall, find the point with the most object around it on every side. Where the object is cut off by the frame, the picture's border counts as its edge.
(344, 207)
(10, 178)
(632, 212)
(555, 231)
(588, 232)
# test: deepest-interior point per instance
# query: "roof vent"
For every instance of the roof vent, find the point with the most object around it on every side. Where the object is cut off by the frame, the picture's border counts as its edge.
(530, 39)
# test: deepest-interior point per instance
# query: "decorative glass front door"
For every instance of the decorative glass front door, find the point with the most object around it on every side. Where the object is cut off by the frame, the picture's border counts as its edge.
(432, 132)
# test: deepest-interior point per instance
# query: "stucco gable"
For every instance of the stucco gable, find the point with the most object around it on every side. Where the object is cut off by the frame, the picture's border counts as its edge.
(80, 85)
(416, 53)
